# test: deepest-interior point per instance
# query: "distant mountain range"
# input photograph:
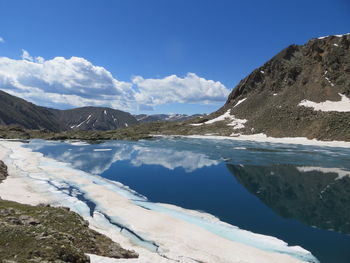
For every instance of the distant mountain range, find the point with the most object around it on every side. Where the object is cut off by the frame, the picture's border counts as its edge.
(16, 111)
(164, 117)
(303, 91)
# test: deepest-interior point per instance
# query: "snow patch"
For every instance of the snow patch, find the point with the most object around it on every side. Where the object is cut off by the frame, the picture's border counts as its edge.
(83, 121)
(236, 123)
(239, 102)
(126, 125)
(340, 172)
(334, 36)
(261, 137)
(102, 150)
(330, 82)
(340, 106)
(105, 112)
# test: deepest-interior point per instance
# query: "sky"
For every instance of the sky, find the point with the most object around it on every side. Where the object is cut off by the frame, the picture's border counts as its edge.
(154, 56)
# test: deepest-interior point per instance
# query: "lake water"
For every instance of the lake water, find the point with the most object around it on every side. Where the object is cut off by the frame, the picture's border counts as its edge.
(300, 194)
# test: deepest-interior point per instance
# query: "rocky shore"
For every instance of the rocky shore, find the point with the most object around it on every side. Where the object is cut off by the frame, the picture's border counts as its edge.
(50, 234)
(3, 171)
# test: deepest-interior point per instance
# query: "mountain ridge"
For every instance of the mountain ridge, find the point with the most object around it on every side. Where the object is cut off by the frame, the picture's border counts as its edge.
(17, 111)
(276, 98)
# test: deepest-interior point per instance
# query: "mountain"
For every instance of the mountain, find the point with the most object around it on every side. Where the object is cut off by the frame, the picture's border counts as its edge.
(164, 117)
(94, 118)
(16, 111)
(302, 91)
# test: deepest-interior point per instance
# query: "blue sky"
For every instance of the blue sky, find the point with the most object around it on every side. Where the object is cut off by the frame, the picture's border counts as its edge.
(161, 53)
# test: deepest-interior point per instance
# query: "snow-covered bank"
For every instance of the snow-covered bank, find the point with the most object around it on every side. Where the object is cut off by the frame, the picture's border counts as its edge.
(159, 233)
(264, 138)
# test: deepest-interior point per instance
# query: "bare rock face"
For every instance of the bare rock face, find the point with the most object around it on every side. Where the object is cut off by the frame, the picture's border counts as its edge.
(317, 71)
(3, 171)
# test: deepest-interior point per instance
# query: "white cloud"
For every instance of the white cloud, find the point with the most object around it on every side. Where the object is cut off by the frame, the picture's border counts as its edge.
(190, 89)
(76, 82)
(61, 82)
(26, 56)
(2, 40)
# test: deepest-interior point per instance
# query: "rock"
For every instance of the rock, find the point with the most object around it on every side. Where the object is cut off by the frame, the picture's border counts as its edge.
(3, 171)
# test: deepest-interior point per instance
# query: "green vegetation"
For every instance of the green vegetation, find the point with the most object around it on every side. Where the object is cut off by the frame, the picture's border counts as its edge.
(49, 234)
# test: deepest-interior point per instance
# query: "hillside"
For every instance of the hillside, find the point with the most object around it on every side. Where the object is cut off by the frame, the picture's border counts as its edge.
(142, 118)
(303, 91)
(16, 111)
(94, 118)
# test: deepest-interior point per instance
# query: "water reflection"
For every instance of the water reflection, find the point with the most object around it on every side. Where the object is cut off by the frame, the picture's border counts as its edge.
(273, 184)
(96, 159)
(315, 196)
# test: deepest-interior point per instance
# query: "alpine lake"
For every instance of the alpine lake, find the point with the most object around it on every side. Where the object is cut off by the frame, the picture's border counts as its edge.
(299, 194)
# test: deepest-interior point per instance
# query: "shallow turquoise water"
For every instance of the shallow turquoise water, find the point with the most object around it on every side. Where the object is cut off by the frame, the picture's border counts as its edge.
(300, 194)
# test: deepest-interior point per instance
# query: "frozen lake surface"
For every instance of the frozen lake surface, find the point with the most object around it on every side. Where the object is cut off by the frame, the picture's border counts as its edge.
(299, 194)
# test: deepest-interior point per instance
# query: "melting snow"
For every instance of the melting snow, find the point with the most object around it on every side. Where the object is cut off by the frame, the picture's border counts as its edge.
(261, 71)
(340, 106)
(236, 123)
(334, 36)
(211, 236)
(239, 102)
(222, 117)
(102, 150)
(83, 121)
(105, 112)
(336, 45)
(341, 173)
(126, 125)
(330, 82)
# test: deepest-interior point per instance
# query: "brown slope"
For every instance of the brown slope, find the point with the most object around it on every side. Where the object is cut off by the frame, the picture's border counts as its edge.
(295, 74)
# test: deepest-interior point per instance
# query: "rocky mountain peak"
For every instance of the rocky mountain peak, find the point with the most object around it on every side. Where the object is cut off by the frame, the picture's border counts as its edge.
(279, 96)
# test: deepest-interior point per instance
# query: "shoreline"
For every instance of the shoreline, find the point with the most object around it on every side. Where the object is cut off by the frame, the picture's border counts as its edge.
(265, 139)
(176, 238)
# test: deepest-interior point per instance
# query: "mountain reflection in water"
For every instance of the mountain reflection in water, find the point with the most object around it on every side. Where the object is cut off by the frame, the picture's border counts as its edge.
(293, 192)
(312, 196)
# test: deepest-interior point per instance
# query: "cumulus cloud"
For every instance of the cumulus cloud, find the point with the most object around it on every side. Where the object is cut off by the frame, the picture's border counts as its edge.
(76, 82)
(2, 40)
(26, 56)
(63, 82)
(190, 89)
